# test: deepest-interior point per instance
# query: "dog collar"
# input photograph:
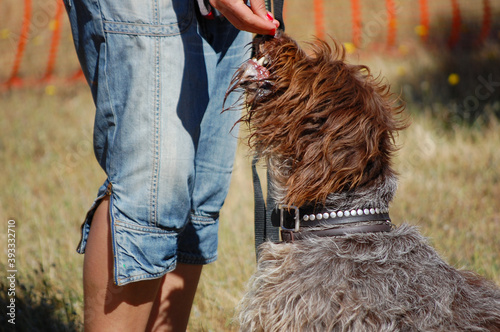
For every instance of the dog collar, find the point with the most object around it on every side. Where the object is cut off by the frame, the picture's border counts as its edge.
(290, 235)
(292, 217)
(295, 221)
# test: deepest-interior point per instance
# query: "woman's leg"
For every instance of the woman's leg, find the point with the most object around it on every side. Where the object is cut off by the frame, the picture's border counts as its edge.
(166, 302)
(174, 300)
(108, 307)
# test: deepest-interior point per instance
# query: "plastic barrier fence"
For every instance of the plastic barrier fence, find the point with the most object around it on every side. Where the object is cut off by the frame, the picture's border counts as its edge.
(36, 47)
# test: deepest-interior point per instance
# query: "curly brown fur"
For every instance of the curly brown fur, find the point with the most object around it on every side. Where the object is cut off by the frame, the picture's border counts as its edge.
(326, 129)
(329, 125)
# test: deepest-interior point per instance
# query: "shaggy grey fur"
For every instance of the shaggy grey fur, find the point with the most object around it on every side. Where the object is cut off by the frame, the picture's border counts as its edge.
(391, 281)
(366, 282)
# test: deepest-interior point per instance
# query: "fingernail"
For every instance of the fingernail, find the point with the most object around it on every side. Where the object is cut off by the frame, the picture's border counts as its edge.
(270, 17)
(272, 32)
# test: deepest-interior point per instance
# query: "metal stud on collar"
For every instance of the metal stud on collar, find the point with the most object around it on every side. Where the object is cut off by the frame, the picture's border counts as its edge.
(346, 213)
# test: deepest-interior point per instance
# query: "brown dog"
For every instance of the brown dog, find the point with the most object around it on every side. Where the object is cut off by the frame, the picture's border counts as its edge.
(326, 131)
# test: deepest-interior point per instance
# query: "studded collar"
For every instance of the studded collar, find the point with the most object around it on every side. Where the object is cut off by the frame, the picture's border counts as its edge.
(296, 223)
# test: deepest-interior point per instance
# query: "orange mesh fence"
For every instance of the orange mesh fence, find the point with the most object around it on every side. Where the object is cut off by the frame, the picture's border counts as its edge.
(21, 47)
(383, 25)
(37, 29)
(54, 45)
(424, 19)
(392, 23)
(319, 11)
(356, 22)
(487, 21)
(455, 27)
(38, 37)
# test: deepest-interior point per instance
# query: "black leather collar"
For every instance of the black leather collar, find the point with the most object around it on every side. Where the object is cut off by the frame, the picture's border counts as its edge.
(296, 222)
(290, 235)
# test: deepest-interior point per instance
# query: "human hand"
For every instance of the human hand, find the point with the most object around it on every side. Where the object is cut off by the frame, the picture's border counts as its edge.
(254, 19)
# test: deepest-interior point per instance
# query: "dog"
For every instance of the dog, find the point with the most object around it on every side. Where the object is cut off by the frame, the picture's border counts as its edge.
(326, 130)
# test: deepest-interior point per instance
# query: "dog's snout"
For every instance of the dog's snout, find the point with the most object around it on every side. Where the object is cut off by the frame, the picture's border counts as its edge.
(254, 70)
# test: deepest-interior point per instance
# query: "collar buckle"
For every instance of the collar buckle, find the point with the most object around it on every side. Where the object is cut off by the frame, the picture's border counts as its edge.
(282, 208)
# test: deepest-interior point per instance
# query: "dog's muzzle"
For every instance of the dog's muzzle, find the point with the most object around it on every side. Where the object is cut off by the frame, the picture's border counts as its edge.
(255, 69)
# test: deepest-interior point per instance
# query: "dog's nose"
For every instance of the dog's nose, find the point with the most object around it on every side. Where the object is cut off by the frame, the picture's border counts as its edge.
(249, 70)
(254, 70)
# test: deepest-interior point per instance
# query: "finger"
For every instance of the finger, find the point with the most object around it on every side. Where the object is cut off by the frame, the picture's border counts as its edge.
(246, 19)
(258, 7)
(243, 18)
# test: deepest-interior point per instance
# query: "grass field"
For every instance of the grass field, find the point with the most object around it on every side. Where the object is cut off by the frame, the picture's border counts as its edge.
(449, 186)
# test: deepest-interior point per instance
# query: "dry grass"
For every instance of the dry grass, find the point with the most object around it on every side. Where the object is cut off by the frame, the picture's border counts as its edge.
(450, 184)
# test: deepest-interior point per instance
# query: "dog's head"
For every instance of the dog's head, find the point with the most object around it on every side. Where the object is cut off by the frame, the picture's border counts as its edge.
(323, 125)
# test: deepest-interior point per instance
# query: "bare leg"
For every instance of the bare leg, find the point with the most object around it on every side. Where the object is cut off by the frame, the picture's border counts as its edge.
(174, 301)
(108, 307)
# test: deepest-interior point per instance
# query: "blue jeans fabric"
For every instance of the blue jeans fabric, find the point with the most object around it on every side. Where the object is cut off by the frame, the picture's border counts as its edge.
(158, 73)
